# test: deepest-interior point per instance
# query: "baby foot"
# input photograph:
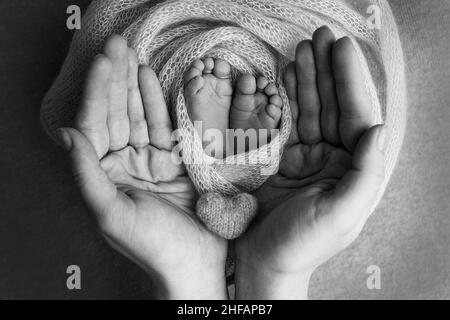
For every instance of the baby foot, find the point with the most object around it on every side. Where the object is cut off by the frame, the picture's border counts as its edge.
(256, 105)
(208, 92)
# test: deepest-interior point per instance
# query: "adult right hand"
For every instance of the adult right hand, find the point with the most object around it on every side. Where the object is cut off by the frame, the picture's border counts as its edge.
(330, 175)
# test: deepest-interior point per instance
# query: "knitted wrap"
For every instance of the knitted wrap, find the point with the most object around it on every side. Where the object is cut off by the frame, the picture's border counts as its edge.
(254, 36)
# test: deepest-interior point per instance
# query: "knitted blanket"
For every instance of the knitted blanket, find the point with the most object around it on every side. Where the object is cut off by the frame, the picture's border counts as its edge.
(254, 36)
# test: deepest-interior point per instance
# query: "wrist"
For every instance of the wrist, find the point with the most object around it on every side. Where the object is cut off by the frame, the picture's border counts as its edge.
(257, 282)
(201, 286)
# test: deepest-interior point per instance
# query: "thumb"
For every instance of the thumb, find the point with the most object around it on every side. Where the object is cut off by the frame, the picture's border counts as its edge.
(356, 194)
(96, 188)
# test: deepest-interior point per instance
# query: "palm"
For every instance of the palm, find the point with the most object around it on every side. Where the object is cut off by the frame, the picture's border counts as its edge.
(162, 217)
(289, 225)
(153, 170)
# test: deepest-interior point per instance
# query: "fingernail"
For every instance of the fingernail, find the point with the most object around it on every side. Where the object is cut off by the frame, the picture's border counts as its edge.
(64, 139)
(382, 139)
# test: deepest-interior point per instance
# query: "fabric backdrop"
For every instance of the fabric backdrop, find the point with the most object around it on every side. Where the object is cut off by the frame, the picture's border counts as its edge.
(44, 227)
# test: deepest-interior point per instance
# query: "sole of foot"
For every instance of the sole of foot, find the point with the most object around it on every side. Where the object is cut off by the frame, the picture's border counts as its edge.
(208, 92)
(256, 105)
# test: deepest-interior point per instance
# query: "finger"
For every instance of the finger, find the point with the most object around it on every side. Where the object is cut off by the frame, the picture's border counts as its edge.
(361, 186)
(307, 94)
(323, 40)
(290, 83)
(354, 103)
(158, 119)
(97, 190)
(92, 115)
(116, 49)
(136, 114)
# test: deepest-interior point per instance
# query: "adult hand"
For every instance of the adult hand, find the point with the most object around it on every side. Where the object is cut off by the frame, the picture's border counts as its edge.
(120, 150)
(330, 175)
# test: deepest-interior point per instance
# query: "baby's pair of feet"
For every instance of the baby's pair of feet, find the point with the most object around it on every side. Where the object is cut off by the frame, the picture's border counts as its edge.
(312, 81)
(212, 103)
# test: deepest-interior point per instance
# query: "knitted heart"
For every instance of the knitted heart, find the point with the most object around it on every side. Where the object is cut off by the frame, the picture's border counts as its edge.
(228, 217)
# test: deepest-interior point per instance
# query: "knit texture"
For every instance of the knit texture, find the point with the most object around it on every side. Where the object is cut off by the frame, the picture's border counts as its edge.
(230, 225)
(254, 36)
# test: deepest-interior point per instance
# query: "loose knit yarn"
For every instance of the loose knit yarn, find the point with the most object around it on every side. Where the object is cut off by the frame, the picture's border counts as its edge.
(254, 36)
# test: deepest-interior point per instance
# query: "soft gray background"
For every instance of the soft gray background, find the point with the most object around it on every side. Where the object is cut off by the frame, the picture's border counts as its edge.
(44, 227)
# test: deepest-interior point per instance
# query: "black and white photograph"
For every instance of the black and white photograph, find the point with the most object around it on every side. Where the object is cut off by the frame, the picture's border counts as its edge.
(213, 151)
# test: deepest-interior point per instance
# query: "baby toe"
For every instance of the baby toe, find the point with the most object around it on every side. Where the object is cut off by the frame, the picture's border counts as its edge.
(271, 89)
(192, 74)
(198, 64)
(209, 65)
(276, 100)
(273, 111)
(194, 85)
(262, 83)
(246, 84)
(222, 69)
